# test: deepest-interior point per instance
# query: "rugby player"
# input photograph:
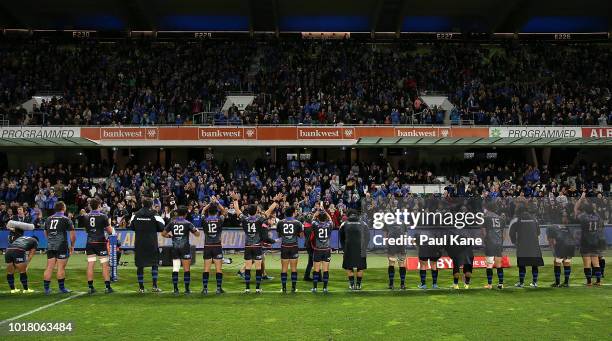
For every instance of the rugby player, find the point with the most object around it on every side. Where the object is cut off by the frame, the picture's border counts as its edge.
(289, 229)
(322, 227)
(17, 257)
(428, 255)
(493, 236)
(561, 240)
(213, 250)
(396, 254)
(256, 234)
(56, 228)
(590, 245)
(179, 229)
(97, 224)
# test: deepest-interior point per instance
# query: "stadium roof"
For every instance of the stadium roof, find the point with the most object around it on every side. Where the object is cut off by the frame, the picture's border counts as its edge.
(311, 15)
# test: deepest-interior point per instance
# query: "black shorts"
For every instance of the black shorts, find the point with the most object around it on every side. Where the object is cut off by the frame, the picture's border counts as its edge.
(15, 256)
(590, 248)
(98, 249)
(253, 253)
(564, 251)
(321, 256)
(181, 252)
(429, 253)
(60, 253)
(494, 250)
(213, 252)
(289, 252)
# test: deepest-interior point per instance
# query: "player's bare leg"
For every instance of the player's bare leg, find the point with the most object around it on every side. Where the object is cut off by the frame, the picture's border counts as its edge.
(391, 271)
(588, 264)
(567, 270)
(91, 262)
(10, 278)
(258, 275)
(23, 276)
(315, 278)
(500, 272)
(434, 274)
(106, 274)
(325, 275)
(247, 275)
(284, 268)
(205, 275)
(48, 274)
(423, 264)
(359, 279)
(294, 274)
(219, 275)
(61, 275)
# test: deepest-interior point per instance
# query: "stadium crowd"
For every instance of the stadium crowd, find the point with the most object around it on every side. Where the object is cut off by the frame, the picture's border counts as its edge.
(30, 194)
(305, 82)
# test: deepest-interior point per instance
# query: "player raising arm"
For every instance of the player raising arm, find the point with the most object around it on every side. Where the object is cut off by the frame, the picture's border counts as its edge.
(256, 234)
(213, 250)
(322, 227)
(58, 250)
(179, 229)
(289, 229)
(493, 235)
(97, 224)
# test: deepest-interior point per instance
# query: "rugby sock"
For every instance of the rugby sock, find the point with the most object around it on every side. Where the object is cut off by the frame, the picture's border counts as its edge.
(284, 280)
(107, 284)
(90, 284)
(455, 275)
(326, 279)
(468, 278)
(46, 285)
(60, 283)
(10, 278)
(588, 274)
(315, 279)
(500, 275)
(175, 280)
(391, 271)
(294, 277)
(534, 274)
(219, 278)
(140, 275)
(455, 280)
(522, 272)
(602, 265)
(258, 274)
(557, 274)
(489, 276)
(186, 279)
(23, 277)
(597, 273)
(205, 279)
(154, 275)
(351, 281)
(434, 276)
(247, 278)
(567, 270)
(423, 275)
(403, 275)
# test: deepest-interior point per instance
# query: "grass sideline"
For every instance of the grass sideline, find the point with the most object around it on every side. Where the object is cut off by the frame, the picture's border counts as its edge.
(576, 313)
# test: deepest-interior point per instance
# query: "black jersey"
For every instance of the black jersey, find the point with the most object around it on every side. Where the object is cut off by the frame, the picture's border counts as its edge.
(95, 226)
(322, 231)
(494, 225)
(253, 228)
(57, 227)
(591, 226)
(289, 230)
(24, 243)
(180, 229)
(213, 228)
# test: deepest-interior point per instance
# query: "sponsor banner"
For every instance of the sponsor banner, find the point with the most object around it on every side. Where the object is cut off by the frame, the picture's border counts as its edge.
(189, 134)
(39, 132)
(536, 132)
(325, 133)
(129, 133)
(602, 133)
(412, 263)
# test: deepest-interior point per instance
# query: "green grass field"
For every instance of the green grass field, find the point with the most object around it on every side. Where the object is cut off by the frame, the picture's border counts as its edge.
(575, 313)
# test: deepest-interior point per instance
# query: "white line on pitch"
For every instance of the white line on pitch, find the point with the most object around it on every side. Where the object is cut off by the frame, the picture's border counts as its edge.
(41, 308)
